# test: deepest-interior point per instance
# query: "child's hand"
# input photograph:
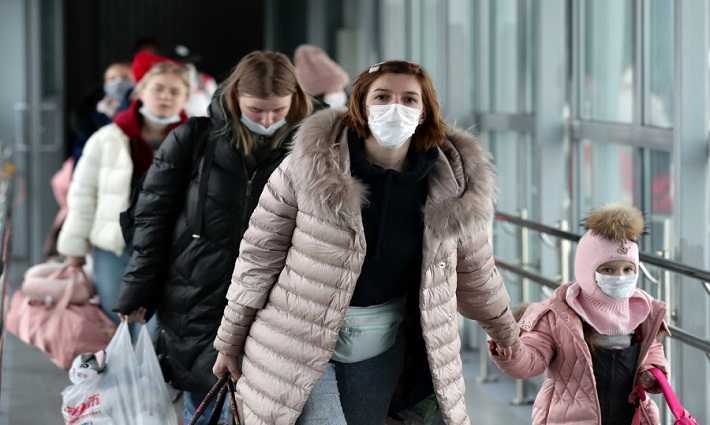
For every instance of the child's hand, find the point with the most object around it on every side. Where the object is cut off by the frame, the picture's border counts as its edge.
(503, 353)
(648, 381)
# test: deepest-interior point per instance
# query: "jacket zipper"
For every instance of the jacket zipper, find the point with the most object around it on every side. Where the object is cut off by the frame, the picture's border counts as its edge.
(247, 193)
(642, 352)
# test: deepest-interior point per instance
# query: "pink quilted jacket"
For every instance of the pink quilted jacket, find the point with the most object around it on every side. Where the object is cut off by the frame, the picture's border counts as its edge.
(552, 341)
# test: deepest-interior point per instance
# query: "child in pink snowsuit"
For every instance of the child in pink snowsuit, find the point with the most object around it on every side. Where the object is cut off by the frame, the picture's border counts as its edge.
(596, 337)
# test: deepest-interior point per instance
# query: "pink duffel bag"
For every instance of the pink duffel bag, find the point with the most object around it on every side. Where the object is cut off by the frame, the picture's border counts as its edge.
(62, 330)
(47, 282)
(682, 416)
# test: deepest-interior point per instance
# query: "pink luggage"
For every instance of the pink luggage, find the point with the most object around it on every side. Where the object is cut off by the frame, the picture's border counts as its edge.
(47, 282)
(62, 330)
(682, 416)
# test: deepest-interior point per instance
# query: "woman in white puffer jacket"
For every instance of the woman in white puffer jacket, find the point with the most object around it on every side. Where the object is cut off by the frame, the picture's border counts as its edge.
(114, 157)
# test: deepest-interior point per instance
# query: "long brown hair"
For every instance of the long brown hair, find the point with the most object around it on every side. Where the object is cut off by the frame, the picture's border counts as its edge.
(263, 74)
(431, 132)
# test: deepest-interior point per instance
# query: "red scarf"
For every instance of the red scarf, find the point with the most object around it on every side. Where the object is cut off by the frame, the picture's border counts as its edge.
(130, 122)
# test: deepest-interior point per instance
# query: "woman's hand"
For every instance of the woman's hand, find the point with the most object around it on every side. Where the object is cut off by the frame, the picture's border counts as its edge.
(134, 316)
(76, 262)
(227, 364)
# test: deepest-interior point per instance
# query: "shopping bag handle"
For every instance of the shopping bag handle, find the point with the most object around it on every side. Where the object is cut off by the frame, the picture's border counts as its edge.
(681, 415)
(672, 400)
(218, 393)
(68, 293)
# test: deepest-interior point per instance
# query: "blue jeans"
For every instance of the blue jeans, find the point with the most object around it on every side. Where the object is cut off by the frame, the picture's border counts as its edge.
(108, 271)
(355, 393)
(324, 406)
(192, 400)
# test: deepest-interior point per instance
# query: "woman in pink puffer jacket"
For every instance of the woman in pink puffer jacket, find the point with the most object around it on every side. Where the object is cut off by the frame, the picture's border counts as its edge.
(597, 337)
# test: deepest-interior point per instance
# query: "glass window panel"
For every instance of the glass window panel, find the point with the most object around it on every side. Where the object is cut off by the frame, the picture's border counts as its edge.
(393, 29)
(607, 175)
(660, 210)
(505, 59)
(461, 59)
(607, 84)
(658, 90)
(511, 67)
(505, 154)
(433, 51)
(512, 157)
(611, 173)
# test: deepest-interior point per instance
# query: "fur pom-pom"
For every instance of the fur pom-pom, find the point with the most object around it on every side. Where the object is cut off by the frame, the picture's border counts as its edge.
(616, 222)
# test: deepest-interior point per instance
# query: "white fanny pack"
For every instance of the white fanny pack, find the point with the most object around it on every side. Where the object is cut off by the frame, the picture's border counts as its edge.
(369, 331)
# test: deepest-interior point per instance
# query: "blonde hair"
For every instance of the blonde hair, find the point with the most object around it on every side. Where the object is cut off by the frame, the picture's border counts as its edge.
(162, 68)
(263, 74)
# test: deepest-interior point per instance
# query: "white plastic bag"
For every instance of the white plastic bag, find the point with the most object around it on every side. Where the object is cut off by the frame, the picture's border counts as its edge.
(155, 404)
(130, 391)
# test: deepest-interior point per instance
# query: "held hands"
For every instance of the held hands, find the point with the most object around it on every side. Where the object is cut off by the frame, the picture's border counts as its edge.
(227, 364)
(503, 353)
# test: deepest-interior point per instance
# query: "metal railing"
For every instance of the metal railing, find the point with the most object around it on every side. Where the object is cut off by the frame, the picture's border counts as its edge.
(566, 238)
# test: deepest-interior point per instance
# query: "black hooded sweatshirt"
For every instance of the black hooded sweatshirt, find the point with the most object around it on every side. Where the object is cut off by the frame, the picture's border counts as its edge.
(393, 222)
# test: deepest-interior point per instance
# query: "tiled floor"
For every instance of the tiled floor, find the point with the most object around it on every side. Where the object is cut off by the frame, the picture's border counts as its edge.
(31, 388)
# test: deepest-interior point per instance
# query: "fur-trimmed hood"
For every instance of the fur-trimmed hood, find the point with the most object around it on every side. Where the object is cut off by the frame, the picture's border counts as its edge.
(461, 184)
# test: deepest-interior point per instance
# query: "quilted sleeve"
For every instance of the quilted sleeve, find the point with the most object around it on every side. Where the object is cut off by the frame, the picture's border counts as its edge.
(83, 193)
(655, 358)
(532, 355)
(480, 292)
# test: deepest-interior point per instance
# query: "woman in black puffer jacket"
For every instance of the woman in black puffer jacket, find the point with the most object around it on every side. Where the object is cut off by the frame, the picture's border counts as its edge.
(194, 207)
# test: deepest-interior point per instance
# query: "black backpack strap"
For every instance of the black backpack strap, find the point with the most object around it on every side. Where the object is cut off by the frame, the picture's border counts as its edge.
(197, 224)
(204, 145)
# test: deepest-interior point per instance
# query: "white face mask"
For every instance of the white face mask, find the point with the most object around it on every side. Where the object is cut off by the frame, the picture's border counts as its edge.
(617, 286)
(158, 120)
(336, 100)
(392, 125)
(260, 129)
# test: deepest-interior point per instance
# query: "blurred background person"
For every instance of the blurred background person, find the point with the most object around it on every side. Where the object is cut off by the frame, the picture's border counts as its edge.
(202, 85)
(320, 76)
(98, 108)
(118, 84)
(114, 158)
(95, 111)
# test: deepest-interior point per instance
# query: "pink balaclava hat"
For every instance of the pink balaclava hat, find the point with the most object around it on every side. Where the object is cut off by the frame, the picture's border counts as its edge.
(611, 236)
(318, 73)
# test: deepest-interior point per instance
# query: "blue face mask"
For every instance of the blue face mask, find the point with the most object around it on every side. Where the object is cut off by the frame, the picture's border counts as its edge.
(259, 129)
(118, 88)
